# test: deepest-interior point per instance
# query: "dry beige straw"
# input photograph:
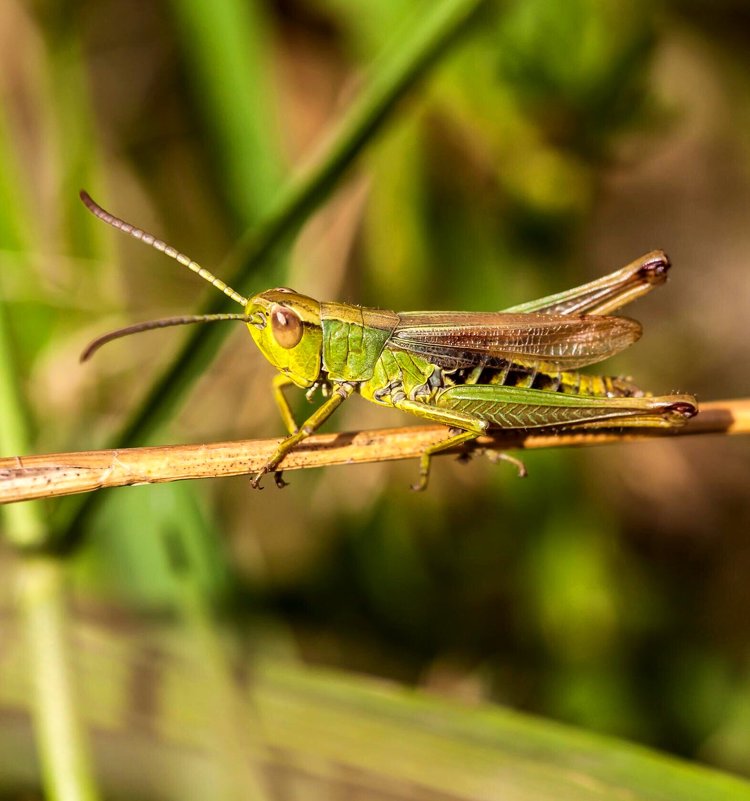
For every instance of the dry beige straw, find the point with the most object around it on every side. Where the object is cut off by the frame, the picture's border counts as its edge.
(24, 478)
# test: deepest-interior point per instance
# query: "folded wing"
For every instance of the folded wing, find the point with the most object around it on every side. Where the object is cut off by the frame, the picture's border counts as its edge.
(456, 340)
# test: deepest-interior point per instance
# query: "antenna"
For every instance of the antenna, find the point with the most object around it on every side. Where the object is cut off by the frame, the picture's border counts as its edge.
(150, 239)
(92, 347)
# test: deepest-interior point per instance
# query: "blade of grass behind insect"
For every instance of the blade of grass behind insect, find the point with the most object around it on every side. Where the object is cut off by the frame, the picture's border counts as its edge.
(406, 60)
(226, 56)
(413, 50)
(233, 722)
(445, 749)
(59, 729)
(23, 527)
(60, 735)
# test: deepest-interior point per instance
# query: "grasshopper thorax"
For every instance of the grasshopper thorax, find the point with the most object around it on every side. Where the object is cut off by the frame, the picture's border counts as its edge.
(286, 327)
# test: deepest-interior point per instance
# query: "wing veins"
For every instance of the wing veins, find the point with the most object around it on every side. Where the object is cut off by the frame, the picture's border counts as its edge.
(463, 339)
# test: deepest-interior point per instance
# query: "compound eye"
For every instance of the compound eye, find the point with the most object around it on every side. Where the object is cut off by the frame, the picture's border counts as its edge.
(286, 326)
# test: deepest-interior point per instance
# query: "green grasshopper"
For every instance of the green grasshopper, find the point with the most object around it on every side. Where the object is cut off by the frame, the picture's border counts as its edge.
(474, 372)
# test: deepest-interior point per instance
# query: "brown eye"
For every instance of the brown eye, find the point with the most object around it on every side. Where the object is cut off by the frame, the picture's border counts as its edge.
(286, 326)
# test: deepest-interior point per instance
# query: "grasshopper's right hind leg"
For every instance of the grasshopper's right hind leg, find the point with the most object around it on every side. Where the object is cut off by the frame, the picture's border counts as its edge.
(520, 408)
(463, 427)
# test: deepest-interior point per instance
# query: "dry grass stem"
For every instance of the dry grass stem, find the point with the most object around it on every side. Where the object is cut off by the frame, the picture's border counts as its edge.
(24, 478)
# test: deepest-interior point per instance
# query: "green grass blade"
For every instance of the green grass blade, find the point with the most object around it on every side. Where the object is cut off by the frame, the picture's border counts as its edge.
(59, 734)
(404, 62)
(226, 46)
(408, 739)
(325, 734)
(23, 527)
(59, 728)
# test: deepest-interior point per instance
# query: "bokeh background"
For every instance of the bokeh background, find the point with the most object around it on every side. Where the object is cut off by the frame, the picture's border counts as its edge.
(552, 143)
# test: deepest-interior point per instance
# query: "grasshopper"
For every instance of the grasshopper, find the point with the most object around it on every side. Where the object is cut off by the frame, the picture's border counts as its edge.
(474, 372)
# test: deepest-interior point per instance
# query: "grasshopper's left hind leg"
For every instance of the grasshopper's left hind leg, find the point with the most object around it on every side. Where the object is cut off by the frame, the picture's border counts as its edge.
(279, 384)
(463, 427)
(339, 394)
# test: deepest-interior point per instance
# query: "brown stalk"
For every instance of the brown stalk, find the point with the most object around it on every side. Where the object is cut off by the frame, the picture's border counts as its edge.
(24, 478)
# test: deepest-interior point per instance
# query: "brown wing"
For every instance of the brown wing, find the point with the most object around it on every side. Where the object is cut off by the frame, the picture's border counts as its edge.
(466, 339)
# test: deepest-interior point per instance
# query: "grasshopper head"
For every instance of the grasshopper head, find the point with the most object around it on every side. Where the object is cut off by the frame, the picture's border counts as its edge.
(287, 330)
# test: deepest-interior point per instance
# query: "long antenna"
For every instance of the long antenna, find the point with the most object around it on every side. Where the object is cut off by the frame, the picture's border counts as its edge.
(150, 239)
(150, 325)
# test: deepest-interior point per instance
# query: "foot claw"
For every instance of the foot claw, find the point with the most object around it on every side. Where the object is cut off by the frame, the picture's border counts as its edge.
(496, 457)
(278, 478)
(258, 477)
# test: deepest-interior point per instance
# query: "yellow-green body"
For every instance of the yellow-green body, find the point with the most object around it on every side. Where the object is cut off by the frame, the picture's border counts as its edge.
(474, 372)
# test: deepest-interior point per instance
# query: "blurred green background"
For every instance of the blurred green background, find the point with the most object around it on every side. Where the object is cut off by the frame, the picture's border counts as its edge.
(552, 143)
